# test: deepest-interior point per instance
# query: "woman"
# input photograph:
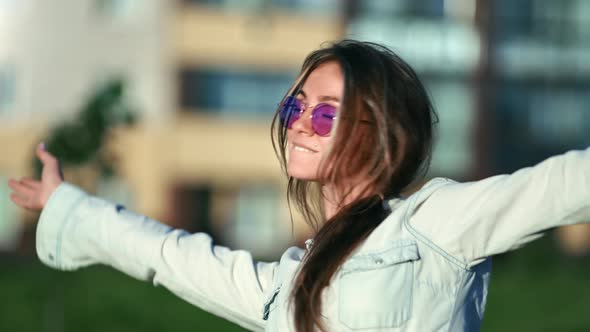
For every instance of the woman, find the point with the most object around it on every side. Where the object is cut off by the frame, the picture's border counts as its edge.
(353, 133)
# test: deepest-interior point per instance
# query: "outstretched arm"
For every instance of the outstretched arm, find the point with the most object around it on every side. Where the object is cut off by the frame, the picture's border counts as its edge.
(477, 219)
(76, 230)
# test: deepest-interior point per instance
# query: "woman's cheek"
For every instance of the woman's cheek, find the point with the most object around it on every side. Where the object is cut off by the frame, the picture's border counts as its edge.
(303, 168)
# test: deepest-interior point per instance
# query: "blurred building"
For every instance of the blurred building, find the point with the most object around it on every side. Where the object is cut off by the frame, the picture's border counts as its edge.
(508, 79)
(54, 54)
(539, 79)
(206, 76)
(440, 40)
(537, 82)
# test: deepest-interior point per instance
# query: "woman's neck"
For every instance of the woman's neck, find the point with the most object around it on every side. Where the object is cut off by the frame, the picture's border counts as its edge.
(330, 203)
(336, 198)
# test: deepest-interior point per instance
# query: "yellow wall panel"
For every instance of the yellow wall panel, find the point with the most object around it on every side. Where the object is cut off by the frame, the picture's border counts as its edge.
(272, 40)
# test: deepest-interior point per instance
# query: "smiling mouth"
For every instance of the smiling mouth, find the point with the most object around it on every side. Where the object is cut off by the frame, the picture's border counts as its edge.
(302, 149)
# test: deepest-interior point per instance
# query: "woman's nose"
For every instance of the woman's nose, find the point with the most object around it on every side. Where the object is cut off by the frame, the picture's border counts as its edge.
(303, 124)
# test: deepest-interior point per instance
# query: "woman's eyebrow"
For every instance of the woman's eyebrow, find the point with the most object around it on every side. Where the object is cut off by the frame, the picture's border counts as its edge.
(329, 98)
(320, 98)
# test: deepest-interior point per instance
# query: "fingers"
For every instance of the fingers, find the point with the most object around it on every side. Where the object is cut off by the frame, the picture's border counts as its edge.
(26, 193)
(32, 194)
(51, 166)
(25, 202)
(33, 184)
(18, 200)
(24, 187)
(46, 158)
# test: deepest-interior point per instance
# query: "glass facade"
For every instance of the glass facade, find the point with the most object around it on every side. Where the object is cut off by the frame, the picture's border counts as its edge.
(256, 221)
(237, 94)
(301, 7)
(7, 88)
(10, 225)
(116, 8)
(440, 41)
(255, 213)
(540, 80)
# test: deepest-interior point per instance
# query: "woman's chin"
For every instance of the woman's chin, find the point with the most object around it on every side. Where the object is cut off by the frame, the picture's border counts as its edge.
(300, 174)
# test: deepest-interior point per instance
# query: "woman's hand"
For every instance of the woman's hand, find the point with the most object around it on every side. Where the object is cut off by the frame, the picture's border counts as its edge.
(32, 194)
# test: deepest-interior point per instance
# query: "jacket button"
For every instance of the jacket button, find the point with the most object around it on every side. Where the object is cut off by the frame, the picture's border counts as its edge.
(50, 257)
(378, 261)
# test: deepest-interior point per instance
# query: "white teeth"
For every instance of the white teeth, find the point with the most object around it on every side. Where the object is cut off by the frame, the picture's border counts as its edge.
(302, 149)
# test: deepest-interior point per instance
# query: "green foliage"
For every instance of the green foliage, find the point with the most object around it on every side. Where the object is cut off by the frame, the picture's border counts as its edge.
(538, 289)
(79, 141)
(36, 298)
(532, 289)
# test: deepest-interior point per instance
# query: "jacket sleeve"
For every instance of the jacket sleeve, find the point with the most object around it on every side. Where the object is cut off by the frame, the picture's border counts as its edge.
(474, 220)
(76, 230)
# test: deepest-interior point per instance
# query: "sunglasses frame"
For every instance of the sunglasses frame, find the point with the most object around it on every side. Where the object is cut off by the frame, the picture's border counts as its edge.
(287, 116)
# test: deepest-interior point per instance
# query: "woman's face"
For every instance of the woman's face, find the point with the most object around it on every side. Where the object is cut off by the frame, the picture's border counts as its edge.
(305, 147)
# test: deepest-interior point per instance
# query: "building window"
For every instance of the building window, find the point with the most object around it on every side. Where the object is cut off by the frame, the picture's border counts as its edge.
(7, 88)
(233, 93)
(115, 8)
(10, 227)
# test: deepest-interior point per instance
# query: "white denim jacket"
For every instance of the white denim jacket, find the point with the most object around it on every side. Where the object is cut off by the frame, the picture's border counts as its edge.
(425, 268)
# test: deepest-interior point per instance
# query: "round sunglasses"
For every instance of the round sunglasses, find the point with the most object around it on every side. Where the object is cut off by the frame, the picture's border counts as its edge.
(322, 115)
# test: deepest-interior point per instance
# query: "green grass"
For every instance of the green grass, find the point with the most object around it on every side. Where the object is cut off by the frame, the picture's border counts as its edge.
(538, 289)
(533, 289)
(36, 298)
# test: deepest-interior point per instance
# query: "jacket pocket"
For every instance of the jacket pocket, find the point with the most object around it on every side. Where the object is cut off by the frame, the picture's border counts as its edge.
(375, 289)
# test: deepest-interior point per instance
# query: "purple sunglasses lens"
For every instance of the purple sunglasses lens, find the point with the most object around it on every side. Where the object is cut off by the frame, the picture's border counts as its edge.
(290, 111)
(323, 118)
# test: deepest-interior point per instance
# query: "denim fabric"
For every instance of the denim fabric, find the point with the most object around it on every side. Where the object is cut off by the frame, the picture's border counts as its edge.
(425, 268)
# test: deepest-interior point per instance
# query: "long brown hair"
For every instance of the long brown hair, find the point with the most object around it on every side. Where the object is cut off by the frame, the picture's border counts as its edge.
(388, 153)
